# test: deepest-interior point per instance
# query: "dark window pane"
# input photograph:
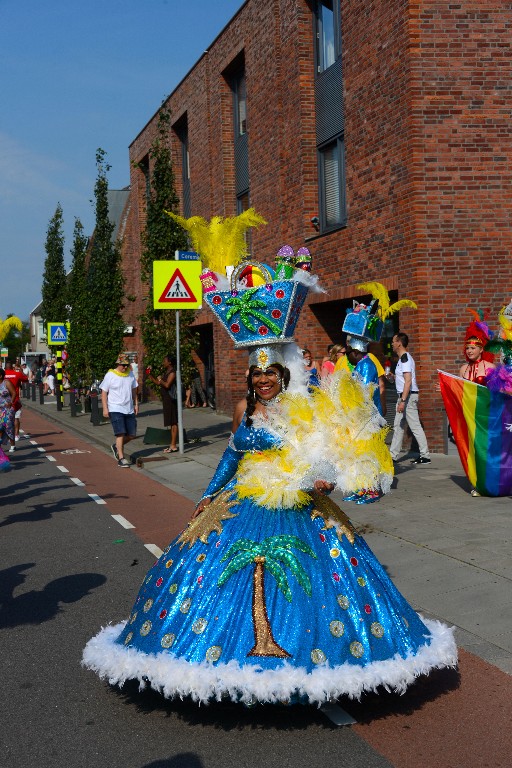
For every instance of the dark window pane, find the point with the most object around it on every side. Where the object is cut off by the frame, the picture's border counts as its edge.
(326, 39)
(331, 177)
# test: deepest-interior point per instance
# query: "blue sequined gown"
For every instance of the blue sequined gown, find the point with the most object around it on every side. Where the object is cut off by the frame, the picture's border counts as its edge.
(268, 605)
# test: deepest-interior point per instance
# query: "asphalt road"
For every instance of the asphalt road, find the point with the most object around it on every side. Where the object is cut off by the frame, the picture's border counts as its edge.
(69, 567)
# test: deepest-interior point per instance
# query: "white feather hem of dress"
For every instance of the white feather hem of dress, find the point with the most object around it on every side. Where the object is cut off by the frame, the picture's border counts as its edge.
(206, 681)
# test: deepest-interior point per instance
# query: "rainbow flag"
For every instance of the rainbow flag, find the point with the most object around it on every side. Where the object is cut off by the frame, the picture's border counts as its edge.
(481, 423)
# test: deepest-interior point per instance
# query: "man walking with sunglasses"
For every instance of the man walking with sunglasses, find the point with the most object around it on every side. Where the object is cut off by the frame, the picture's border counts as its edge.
(119, 401)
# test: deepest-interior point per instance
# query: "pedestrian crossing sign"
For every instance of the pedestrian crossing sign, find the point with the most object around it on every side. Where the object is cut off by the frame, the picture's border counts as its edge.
(176, 285)
(58, 333)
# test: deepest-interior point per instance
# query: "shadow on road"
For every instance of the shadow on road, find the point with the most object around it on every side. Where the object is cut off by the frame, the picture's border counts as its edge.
(36, 606)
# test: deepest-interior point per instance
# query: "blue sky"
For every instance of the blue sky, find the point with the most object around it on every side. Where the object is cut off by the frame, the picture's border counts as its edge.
(75, 76)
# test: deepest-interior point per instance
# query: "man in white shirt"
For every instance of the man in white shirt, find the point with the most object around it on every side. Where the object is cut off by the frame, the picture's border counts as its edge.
(118, 401)
(407, 405)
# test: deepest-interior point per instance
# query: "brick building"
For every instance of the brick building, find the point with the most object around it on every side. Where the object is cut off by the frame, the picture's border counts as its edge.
(375, 133)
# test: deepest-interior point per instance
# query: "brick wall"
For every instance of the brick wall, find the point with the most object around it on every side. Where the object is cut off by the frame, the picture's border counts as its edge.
(427, 141)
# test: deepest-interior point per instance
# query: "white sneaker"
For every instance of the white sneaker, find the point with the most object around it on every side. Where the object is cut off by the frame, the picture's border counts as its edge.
(12, 449)
(17, 437)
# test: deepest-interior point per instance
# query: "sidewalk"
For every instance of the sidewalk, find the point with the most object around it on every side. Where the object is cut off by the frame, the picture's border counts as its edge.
(449, 553)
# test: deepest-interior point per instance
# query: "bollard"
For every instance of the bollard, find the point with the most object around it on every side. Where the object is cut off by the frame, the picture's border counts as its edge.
(95, 411)
(72, 402)
(34, 391)
(41, 394)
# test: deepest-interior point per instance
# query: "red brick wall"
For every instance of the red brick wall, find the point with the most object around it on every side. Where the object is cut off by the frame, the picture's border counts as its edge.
(427, 138)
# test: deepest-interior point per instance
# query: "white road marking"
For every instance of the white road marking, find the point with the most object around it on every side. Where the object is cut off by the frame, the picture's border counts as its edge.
(51, 458)
(43, 450)
(34, 442)
(96, 498)
(156, 551)
(76, 481)
(123, 521)
(62, 469)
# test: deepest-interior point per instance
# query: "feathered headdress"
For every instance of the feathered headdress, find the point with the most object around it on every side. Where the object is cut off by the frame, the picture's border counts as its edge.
(480, 332)
(380, 293)
(221, 241)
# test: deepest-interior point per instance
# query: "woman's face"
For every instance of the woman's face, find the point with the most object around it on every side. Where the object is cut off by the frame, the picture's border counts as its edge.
(267, 384)
(307, 358)
(473, 352)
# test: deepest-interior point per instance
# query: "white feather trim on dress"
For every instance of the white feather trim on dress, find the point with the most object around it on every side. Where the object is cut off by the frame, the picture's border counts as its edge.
(206, 681)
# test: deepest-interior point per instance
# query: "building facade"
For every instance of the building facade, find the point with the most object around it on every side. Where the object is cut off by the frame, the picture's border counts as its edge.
(374, 133)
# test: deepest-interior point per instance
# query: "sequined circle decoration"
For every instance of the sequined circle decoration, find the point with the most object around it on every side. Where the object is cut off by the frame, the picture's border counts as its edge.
(173, 589)
(343, 602)
(133, 617)
(377, 629)
(337, 628)
(147, 605)
(213, 653)
(185, 606)
(167, 640)
(334, 552)
(146, 628)
(361, 581)
(128, 638)
(199, 626)
(201, 558)
(356, 649)
(318, 656)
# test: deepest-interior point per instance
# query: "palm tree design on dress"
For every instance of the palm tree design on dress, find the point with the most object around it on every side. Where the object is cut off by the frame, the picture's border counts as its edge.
(272, 553)
(249, 306)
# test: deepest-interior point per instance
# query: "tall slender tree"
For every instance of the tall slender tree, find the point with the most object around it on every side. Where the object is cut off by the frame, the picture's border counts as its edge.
(78, 365)
(161, 238)
(54, 299)
(104, 283)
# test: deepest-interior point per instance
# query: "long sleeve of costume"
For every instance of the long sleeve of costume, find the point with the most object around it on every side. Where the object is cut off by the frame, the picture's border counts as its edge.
(225, 471)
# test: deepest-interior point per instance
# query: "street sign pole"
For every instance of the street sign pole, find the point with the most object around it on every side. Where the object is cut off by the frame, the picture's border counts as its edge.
(179, 403)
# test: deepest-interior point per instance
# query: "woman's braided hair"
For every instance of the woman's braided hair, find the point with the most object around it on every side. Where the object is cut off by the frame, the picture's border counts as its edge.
(251, 394)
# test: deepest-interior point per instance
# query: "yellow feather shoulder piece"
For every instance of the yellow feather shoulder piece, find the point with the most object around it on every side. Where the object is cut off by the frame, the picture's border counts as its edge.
(380, 292)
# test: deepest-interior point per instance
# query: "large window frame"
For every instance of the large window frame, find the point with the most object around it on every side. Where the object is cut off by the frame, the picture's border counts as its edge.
(327, 33)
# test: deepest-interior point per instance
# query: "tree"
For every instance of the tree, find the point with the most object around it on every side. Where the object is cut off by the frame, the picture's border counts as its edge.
(161, 238)
(104, 284)
(53, 305)
(269, 554)
(78, 365)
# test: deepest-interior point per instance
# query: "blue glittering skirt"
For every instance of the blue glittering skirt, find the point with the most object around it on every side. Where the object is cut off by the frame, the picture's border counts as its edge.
(270, 605)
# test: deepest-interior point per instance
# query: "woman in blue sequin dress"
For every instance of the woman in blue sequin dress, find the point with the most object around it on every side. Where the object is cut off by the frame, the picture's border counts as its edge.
(268, 604)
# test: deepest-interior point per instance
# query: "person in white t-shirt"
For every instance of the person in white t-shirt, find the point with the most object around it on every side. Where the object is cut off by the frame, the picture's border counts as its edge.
(119, 402)
(407, 405)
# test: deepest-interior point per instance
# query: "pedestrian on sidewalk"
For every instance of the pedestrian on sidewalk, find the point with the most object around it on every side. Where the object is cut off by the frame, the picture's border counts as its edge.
(16, 376)
(7, 408)
(119, 402)
(169, 395)
(407, 404)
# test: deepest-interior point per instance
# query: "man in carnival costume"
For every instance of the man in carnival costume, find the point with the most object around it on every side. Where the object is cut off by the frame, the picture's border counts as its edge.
(269, 594)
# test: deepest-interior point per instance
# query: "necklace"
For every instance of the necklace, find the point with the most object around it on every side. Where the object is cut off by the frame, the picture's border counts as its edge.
(266, 403)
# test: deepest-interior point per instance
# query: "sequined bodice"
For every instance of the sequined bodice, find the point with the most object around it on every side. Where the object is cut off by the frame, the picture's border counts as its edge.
(252, 439)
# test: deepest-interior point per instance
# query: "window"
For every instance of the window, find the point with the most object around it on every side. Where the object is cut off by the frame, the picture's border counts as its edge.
(242, 202)
(240, 103)
(332, 184)
(330, 115)
(181, 131)
(326, 37)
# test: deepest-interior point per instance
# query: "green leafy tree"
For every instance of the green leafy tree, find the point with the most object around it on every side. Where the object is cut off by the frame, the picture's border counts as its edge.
(271, 554)
(53, 305)
(161, 238)
(104, 284)
(78, 365)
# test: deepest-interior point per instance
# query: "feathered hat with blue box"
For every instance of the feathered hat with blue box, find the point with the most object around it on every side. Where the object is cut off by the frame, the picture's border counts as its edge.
(365, 322)
(259, 306)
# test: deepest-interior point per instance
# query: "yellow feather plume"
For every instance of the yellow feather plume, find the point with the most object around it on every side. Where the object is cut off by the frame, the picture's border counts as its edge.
(7, 325)
(221, 241)
(506, 324)
(380, 292)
